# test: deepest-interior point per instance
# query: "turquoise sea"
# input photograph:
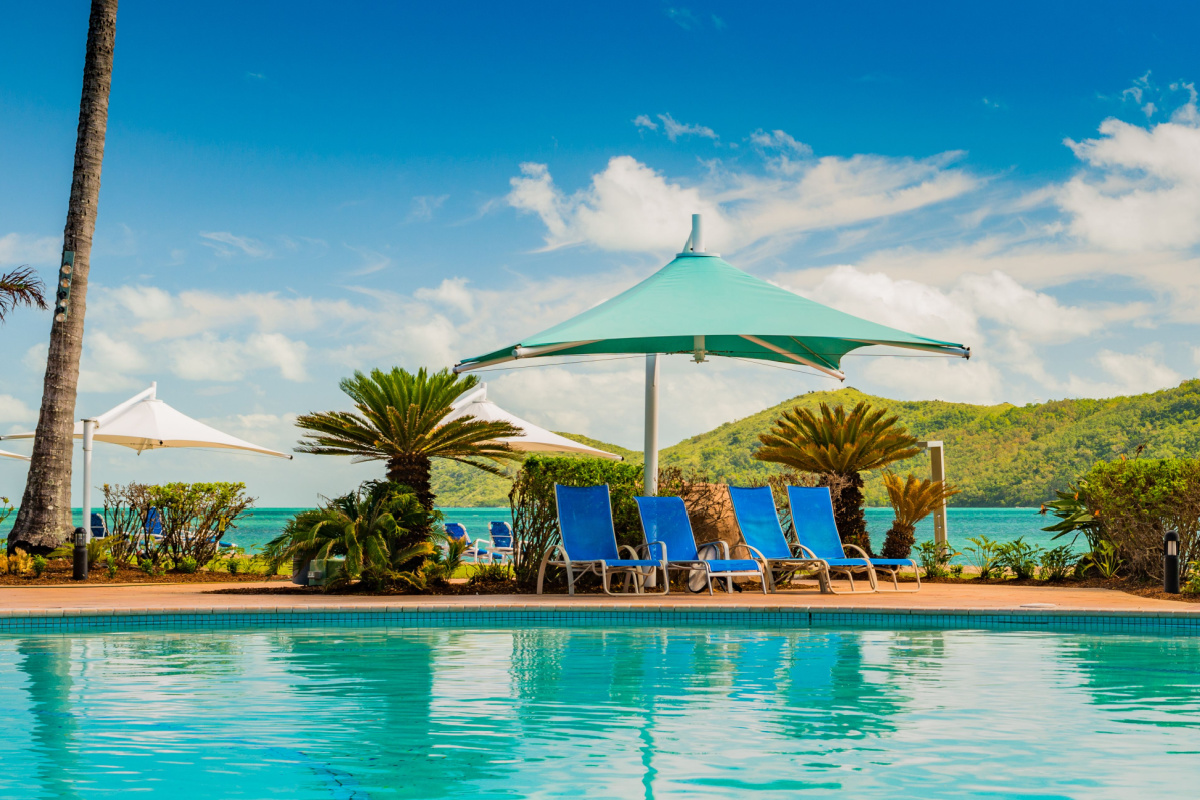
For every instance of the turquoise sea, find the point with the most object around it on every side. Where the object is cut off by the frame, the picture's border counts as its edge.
(1001, 524)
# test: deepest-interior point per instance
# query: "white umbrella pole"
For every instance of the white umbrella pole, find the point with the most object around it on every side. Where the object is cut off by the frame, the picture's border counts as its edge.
(89, 428)
(650, 471)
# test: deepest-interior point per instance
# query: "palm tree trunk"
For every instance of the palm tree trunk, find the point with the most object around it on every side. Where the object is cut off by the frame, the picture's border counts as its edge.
(848, 513)
(899, 541)
(44, 520)
(413, 471)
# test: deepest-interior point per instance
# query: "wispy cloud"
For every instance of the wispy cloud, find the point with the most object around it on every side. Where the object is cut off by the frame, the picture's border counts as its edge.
(683, 17)
(674, 129)
(226, 244)
(17, 248)
(424, 206)
(372, 261)
(644, 121)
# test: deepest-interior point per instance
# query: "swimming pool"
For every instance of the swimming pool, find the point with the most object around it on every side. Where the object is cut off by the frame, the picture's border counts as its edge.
(595, 711)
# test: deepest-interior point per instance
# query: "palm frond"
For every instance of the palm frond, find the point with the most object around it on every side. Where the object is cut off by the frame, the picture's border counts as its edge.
(21, 286)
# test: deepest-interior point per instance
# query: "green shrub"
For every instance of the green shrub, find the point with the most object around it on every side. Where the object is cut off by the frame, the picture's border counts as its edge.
(956, 570)
(39, 566)
(1019, 558)
(1057, 562)
(535, 513)
(490, 575)
(1192, 585)
(147, 566)
(234, 565)
(985, 556)
(1136, 502)
(97, 551)
(934, 556)
(112, 567)
(188, 565)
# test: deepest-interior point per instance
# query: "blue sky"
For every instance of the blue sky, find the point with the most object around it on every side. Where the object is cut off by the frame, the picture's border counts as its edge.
(293, 191)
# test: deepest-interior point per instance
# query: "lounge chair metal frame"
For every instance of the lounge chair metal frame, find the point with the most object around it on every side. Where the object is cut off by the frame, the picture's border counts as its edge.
(604, 568)
(475, 547)
(700, 563)
(891, 566)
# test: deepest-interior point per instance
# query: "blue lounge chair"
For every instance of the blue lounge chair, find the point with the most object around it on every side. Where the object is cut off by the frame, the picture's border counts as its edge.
(665, 519)
(589, 542)
(475, 549)
(502, 539)
(758, 521)
(99, 531)
(812, 514)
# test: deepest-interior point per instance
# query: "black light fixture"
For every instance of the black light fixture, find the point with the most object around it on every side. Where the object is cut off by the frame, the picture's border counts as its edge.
(62, 304)
(1171, 562)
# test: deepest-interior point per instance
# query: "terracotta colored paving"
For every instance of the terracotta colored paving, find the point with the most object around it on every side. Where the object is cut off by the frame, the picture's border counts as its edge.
(151, 598)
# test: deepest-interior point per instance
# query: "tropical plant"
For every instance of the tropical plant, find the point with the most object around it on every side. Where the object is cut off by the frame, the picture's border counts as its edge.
(1192, 586)
(381, 529)
(111, 569)
(834, 442)
(1105, 559)
(1019, 558)
(934, 556)
(38, 565)
(1071, 508)
(20, 287)
(985, 556)
(912, 501)
(442, 564)
(44, 520)
(401, 417)
(1057, 562)
(490, 575)
(195, 516)
(187, 565)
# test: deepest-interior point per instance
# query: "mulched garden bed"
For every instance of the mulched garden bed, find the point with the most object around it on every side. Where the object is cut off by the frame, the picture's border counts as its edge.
(60, 570)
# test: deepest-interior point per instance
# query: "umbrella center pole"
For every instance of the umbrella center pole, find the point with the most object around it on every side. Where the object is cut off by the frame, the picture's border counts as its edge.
(89, 430)
(650, 469)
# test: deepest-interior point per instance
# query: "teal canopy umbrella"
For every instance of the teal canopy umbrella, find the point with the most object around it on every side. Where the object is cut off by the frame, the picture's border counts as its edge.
(701, 305)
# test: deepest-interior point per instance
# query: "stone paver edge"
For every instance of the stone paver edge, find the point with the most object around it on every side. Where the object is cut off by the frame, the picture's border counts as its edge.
(443, 608)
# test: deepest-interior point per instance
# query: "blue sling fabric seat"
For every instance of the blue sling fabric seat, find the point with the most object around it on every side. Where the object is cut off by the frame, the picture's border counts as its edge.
(816, 529)
(475, 549)
(758, 521)
(589, 542)
(502, 539)
(665, 519)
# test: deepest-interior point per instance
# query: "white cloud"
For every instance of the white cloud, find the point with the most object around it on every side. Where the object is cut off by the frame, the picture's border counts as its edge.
(644, 121)
(1141, 190)
(1127, 373)
(14, 410)
(18, 249)
(674, 129)
(452, 293)
(224, 243)
(631, 207)
(424, 206)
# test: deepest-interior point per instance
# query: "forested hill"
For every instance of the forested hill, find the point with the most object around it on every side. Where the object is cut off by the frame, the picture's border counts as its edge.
(1001, 455)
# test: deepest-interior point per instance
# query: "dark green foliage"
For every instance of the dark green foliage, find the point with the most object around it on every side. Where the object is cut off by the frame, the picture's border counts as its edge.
(985, 555)
(934, 557)
(1019, 558)
(39, 565)
(535, 513)
(1057, 562)
(490, 576)
(187, 565)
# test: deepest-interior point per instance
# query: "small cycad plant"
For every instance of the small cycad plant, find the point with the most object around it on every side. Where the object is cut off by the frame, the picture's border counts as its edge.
(912, 501)
(985, 556)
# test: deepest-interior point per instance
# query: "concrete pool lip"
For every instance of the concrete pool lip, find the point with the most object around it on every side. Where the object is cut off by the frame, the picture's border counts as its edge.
(81, 607)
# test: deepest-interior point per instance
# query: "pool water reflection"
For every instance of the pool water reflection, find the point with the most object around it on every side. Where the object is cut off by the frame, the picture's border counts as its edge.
(593, 712)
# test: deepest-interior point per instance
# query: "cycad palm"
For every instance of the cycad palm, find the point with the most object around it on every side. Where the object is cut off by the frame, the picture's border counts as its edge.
(400, 419)
(379, 527)
(843, 444)
(912, 501)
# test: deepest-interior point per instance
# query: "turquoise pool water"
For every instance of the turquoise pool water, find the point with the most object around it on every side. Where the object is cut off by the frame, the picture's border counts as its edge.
(598, 712)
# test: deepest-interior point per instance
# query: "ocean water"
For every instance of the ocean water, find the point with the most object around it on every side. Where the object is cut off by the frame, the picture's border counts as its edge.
(544, 712)
(1001, 524)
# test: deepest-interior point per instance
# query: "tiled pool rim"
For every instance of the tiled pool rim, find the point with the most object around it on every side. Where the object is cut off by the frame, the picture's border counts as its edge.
(417, 615)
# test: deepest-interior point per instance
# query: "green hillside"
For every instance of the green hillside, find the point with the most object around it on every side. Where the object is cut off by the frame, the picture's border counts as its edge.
(1001, 455)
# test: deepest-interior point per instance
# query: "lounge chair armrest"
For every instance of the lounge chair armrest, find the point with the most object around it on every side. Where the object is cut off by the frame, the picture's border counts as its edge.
(633, 554)
(756, 555)
(721, 545)
(806, 553)
(862, 553)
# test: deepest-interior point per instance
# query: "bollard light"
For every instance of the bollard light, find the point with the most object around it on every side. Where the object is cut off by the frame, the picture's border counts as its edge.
(81, 555)
(1171, 562)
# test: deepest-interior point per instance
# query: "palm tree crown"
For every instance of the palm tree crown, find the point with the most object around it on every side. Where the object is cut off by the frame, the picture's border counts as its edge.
(841, 444)
(400, 418)
(836, 442)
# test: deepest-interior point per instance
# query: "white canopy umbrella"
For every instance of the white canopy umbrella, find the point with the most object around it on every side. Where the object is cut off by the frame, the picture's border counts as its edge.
(143, 422)
(536, 440)
(6, 454)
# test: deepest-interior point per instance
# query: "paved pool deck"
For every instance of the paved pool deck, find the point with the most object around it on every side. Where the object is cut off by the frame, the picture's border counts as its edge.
(75, 600)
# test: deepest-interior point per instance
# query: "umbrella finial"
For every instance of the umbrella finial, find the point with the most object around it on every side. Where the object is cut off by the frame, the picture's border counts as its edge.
(696, 242)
